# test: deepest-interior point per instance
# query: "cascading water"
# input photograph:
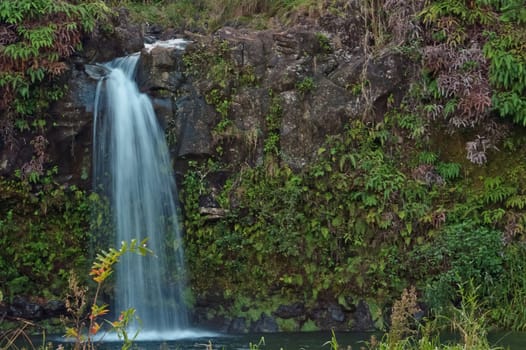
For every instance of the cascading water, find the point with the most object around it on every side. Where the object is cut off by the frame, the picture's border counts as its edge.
(132, 168)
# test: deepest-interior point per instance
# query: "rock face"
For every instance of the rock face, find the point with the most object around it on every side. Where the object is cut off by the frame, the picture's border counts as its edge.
(69, 137)
(25, 309)
(319, 89)
(324, 315)
(319, 76)
(318, 73)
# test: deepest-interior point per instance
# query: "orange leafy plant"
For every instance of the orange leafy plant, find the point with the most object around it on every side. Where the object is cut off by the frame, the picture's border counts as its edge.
(101, 270)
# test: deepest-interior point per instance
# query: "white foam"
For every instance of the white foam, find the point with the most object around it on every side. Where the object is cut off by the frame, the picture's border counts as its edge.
(179, 44)
(147, 336)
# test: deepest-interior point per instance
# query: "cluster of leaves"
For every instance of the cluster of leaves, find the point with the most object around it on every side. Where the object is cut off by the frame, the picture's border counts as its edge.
(507, 53)
(44, 231)
(475, 61)
(461, 253)
(368, 218)
(273, 124)
(35, 39)
(101, 270)
(319, 230)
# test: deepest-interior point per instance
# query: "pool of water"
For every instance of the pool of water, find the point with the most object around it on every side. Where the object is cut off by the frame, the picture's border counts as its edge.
(278, 341)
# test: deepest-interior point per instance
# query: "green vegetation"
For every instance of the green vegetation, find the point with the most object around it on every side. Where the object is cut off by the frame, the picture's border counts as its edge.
(386, 205)
(86, 315)
(44, 234)
(356, 223)
(209, 15)
(305, 85)
(86, 325)
(37, 37)
(373, 215)
(457, 62)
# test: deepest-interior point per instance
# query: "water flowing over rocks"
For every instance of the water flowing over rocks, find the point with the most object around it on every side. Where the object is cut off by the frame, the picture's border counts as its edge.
(280, 59)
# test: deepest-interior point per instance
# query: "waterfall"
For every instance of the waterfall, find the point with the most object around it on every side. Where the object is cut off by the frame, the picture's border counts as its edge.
(132, 169)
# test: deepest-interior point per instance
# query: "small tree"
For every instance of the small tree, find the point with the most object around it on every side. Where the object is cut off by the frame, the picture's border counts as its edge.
(76, 304)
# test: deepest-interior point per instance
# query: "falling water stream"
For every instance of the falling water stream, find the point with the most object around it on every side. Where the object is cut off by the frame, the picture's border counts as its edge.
(132, 169)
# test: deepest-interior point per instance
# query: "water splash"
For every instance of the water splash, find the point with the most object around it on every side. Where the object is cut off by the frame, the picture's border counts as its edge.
(132, 168)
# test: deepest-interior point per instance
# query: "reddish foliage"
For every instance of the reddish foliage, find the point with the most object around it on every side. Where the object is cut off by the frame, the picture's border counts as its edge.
(67, 36)
(36, 164)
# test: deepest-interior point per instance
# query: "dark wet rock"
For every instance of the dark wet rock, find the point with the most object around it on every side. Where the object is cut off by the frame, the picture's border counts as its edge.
(329, 315)
(194, 122)
(96, 71)
(123, 39)
(265, 324)
(70, 137)
(290, 311)
(55, 308)
(164, 110)
(336, 313)
(362, 320)
(4, 310)
(159, 69)
(347, 31)
(308, 120)
(238, 325)
(22, 308)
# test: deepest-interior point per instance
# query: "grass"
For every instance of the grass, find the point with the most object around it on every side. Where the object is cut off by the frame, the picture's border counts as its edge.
(209, 15)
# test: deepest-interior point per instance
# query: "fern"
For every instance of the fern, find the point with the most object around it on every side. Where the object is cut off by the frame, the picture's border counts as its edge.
(512, 105)
(37, 35)
(490, 217)
(495, 191)
(448, 171)
(426, 157)
(516, 202)
(506, 50)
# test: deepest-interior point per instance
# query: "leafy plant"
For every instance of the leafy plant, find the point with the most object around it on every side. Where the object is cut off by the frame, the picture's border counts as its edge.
(101, 270)
(469, 318)
(54, 220)
(37, 37)
(402, 316)
(305, 85)
(324, 42)
(462, 252)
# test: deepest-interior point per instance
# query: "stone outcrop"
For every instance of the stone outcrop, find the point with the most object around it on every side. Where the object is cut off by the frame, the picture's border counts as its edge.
(324, 315)
(318, 72)
(281, 62)
(321, 77)
(22, 308)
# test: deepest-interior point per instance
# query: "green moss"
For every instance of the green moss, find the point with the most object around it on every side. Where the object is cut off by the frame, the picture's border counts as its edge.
(288, 325)
(309, 326)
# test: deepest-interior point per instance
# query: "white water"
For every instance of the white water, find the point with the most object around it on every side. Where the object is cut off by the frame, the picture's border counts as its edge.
(132, 167)
(177, 43)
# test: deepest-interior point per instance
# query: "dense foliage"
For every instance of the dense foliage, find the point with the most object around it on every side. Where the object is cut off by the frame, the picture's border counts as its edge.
(44, 234)
(375, 214)
(475, 61)
(357, 225)
(386, 205)
(36, 38)
(44, 225)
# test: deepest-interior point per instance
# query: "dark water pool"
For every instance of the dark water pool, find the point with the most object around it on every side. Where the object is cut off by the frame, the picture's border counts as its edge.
(285, 341)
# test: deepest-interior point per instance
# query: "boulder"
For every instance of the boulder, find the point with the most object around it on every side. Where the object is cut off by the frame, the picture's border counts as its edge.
(290, 311)
(265, 324)
(106, 44)
(238, 325)
(362, 320)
